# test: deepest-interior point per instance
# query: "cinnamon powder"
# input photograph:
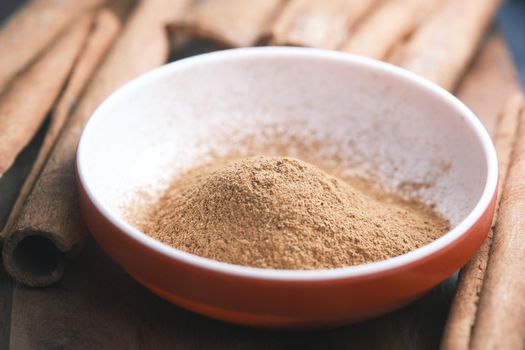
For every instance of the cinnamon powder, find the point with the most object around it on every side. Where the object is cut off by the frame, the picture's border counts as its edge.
(283, 213)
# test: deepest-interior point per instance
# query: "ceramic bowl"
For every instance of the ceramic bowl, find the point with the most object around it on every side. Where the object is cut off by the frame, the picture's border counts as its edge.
(357, 116)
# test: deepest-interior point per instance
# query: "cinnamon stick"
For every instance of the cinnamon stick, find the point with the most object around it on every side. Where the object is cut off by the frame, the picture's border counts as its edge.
(485, 89)
(105, 28)
(49, 227)
(231, 23)
(387, 25)
(318, 23)
(464, 309)
(26, 103)
(30, 30)
(500, 321)
(443, 46)
(490, 81)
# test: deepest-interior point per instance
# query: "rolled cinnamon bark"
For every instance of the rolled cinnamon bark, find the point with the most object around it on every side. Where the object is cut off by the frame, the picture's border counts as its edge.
(486, 90)
(49, 227)
(32, 29)
(27, 101)
(318, 23)
(443, 46)
(230, 23)
(500, 321)
(490, 81)
(386, 26)
(105, 28)
(464, 309)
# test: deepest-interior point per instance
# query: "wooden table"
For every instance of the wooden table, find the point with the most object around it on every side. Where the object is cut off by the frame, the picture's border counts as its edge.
(98, 306)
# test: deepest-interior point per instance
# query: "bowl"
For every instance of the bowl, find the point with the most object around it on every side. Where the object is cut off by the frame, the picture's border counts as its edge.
(356, 116)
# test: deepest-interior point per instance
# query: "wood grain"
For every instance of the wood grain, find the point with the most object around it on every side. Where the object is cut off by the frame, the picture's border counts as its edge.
(442, 55)
(6, 297)
(97, 305)
(32, 28)
(318, 23)
(50, 219)
(389, 24)
(231, 23)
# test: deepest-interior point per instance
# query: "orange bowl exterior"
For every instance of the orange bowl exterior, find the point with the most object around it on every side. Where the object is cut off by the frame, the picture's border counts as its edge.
(280, 303)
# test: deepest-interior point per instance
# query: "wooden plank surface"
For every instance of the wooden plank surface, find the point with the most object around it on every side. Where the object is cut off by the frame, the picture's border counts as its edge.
(6, 290)
(97, 305)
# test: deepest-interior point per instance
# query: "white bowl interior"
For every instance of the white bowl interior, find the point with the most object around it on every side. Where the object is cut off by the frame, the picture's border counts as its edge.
(351, 115)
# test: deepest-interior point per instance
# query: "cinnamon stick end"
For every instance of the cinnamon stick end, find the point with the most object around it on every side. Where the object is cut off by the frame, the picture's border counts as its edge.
(33, 259)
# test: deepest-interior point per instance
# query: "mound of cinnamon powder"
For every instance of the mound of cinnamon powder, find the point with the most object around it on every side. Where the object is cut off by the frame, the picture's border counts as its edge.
(283, 213)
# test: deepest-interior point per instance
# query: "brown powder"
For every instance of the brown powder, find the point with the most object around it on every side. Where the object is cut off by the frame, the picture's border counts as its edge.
(283, 213)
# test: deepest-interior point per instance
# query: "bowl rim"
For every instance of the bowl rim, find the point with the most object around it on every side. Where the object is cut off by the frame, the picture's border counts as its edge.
(369, 269)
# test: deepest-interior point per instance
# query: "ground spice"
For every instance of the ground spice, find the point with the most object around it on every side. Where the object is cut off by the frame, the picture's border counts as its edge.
(283, 213)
